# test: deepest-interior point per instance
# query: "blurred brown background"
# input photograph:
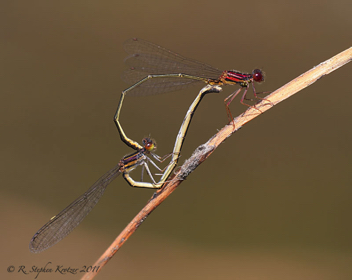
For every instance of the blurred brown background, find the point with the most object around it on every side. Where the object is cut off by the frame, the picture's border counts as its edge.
(273, 202)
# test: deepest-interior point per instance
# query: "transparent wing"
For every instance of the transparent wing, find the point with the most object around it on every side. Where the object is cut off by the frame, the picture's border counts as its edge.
(68, 219)
(147, 58)
(156, 85)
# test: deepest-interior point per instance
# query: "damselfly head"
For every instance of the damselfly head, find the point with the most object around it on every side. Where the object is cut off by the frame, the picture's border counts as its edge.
(258, 75)
(149, 144)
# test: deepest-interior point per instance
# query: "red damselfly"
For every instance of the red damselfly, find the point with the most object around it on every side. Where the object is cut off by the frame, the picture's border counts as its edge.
(154, 69)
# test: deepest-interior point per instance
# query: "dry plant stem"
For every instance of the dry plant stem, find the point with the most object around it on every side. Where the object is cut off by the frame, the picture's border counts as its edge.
(205, 150)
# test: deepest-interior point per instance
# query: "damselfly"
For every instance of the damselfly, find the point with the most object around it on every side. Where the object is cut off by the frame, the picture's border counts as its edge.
(154, 69)
(68, 219)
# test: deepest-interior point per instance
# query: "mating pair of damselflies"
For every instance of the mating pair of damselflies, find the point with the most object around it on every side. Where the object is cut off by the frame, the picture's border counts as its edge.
(153, 70)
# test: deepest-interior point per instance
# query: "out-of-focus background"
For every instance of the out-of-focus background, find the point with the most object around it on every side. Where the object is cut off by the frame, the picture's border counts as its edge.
(273, 202)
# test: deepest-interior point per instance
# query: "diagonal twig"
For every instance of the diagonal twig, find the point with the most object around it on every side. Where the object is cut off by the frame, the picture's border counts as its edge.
(205, 150)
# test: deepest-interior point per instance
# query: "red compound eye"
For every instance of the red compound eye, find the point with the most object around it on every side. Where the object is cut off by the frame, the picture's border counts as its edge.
(258, 75)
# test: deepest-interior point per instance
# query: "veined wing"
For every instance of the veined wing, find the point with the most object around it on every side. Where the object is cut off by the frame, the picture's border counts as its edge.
(68, 219)
(147, 58)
